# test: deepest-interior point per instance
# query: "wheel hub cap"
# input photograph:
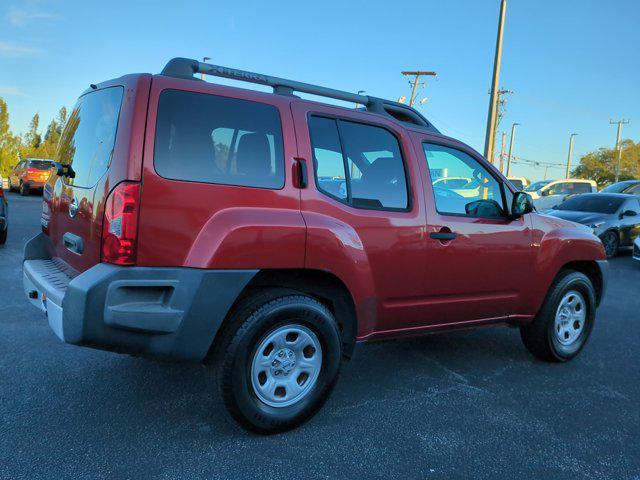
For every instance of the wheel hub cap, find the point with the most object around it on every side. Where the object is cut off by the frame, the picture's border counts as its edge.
(283, 363)
(286, 365)
(570, 318)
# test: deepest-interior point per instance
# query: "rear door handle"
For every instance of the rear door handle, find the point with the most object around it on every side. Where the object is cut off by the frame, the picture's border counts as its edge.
(443, 235)
(73, 243)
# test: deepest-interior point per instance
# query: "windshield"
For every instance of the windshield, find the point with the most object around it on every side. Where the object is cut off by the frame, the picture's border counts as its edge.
(40, 164)
(537, 185)
(516, 182)
(596, 203)
(618, 187)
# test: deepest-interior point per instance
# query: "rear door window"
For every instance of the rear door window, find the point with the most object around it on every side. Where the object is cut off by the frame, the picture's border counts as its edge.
(212, 139)
(89, 136)
(358, 164)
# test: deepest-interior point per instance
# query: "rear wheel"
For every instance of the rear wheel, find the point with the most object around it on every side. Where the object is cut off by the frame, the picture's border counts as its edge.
(3, 236)
(24, 189)
(278, 359)
(564, 322)
(611, 243)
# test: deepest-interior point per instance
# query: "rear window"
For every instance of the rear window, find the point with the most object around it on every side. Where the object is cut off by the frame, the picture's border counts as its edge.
(596, 203)
(89, 136)
(40, 164)
(212, 139)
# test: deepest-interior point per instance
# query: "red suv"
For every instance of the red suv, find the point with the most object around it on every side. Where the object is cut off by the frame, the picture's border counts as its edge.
(267, 235)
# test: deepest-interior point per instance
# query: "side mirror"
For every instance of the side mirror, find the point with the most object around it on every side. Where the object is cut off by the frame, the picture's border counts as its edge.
(628, 213)
(64, 170)
(521, 205)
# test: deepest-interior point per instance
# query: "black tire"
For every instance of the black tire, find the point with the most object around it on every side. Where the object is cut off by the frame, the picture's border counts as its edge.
(611, 243)
(3, 236)
(539, 336)
(24, 190)
(259, 314)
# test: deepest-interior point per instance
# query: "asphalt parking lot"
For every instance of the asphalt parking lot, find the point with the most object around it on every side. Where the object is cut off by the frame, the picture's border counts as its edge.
(470, 404)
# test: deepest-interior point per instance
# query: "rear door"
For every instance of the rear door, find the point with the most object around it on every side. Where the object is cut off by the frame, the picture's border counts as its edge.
(87, 144)
(364, 211)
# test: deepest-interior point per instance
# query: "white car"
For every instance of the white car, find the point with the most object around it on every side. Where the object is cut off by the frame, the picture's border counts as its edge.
(549, 193)
(636, 249)
(519, 182)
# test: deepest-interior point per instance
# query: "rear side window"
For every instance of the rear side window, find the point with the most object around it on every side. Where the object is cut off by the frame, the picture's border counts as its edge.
(580, 187)
(212, 139)
(358, 164)
(90, 134)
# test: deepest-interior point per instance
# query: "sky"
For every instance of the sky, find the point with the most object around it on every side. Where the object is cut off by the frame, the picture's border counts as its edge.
(573, 65)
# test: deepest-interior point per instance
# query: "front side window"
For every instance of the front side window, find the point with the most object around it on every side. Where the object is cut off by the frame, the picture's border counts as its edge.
(472, 191)
(358, 164)
(89, 136)
(212, 139)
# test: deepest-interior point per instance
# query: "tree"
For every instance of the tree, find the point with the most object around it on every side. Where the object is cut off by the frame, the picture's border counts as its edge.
(600, 165)
(9, 144)
(32, 139)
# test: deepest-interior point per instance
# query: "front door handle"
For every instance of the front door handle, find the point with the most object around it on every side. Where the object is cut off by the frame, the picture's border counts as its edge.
(443, 235)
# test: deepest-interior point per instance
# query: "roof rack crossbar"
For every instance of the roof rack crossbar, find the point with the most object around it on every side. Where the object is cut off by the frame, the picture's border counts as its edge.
(187, 68)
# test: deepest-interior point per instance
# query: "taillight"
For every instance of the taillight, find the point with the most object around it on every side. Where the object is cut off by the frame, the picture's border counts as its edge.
(120, 227)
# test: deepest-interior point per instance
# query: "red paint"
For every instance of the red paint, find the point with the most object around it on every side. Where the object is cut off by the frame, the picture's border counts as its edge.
(402, 281)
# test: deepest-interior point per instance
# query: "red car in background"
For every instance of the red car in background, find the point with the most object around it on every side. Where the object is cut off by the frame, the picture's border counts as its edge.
(30, 174)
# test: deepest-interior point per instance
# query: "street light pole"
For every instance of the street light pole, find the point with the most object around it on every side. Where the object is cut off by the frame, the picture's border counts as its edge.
(493, 102)
(569, 156)
(618, 147)
(504, 141)
(513, 134)
(204, 59)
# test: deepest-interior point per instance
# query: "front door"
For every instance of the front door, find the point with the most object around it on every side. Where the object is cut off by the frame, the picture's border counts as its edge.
(479, 262)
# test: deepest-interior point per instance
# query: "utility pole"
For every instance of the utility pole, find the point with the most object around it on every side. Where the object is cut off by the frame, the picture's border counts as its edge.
(416, 82)
(204, 59)
(504, 141)
(569, 156)
(618, 146)
(501, 102)
(513, 133)
(493, 102)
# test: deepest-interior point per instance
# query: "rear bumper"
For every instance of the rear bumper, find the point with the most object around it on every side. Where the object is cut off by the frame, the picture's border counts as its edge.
(152, 311)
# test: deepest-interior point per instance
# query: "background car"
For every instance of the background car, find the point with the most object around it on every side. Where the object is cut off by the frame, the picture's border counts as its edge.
(626, 186)
(4, 214)
(30, 174)
(636, 249)
(519, 182)
(555, 192)
(614, 217)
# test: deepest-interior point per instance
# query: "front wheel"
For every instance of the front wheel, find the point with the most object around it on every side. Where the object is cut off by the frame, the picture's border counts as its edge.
(565, 321)
(611, 243)
(3, 236)
(278, 360)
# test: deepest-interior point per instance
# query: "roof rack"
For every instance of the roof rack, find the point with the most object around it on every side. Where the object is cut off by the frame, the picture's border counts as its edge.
(187, 68)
